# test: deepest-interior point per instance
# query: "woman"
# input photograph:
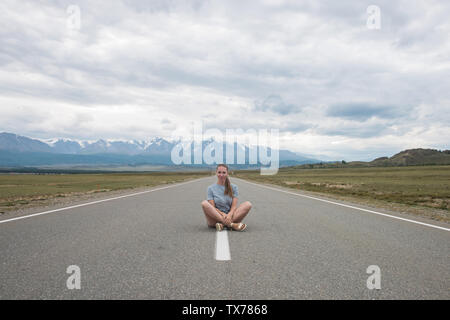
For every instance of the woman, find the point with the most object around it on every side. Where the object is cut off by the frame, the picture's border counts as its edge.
(221, 208)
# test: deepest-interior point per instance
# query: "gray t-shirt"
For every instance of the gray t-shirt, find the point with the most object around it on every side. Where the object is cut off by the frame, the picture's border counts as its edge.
(222, 201)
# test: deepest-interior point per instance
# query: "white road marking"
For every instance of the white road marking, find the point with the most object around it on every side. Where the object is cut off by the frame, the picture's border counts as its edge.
(348, 206)
(98, 201)
(222, 246)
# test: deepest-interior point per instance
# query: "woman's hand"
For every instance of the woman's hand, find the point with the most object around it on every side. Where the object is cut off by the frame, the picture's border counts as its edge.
(224, 216)
(229, 218)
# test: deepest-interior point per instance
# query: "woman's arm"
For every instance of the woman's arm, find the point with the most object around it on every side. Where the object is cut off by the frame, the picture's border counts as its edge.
(233, 206)
(230, 214)
(214, 205)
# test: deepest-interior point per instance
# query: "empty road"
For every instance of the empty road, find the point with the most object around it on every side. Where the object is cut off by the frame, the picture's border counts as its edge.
(156, 245)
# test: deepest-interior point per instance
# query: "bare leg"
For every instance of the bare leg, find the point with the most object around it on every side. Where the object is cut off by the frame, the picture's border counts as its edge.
(212, 216)
(241, 211)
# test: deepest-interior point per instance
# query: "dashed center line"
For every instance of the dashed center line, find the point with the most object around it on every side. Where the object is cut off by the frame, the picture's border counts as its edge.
(222, 246)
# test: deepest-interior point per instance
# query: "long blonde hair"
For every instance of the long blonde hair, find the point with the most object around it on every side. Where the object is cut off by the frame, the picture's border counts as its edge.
(228, 188)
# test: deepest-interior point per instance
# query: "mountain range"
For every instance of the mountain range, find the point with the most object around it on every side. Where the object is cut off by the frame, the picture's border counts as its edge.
(16, 151)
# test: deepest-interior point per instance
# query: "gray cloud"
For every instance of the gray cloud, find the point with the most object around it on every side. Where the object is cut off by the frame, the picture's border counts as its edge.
(274, 103)
(363, 111)
(357, 130)
(296, 127)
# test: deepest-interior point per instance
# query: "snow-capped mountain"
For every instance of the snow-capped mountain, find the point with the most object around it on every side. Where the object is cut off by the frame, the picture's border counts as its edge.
(159, 146)
(64, 146)
(130, 147)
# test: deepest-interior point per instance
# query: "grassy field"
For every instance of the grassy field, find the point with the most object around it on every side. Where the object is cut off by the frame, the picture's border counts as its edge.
(426, 187)
(24, 190)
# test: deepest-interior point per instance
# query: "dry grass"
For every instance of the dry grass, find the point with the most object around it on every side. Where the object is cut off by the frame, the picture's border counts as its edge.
(19, 191)
(422, 190)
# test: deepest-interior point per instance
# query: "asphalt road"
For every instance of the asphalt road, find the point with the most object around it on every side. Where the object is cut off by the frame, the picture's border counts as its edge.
(156, 245)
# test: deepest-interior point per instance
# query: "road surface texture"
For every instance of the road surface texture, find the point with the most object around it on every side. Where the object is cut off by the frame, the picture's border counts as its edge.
(156, 245)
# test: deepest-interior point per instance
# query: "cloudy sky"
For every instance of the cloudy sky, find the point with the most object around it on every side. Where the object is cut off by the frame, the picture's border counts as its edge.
(337, 82)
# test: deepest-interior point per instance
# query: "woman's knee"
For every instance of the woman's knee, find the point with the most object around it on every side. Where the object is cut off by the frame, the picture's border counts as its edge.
(248, 204)
(206, 205)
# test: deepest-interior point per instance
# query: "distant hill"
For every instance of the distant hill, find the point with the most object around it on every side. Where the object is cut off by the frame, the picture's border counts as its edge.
(413, 157)
(410, 157)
